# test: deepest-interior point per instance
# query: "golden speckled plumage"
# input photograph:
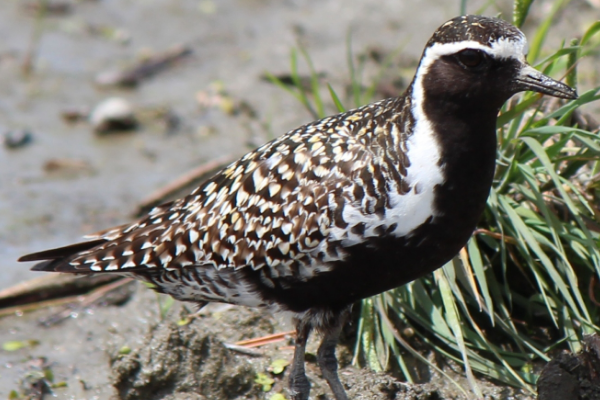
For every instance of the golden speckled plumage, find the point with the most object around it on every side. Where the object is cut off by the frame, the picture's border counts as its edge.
(272, 208)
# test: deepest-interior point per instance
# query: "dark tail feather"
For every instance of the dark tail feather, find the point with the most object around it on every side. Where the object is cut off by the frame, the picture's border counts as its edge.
(44, 266)
(53, 259)
(61, 252)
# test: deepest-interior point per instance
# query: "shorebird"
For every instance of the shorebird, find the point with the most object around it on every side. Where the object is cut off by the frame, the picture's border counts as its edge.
(338, 209)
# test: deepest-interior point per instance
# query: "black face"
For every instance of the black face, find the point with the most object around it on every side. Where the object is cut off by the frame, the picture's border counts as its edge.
(472, 78)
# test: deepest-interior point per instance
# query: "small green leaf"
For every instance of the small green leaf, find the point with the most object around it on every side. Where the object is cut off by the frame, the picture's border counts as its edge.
(277, 396)
(34, 375)
(124, 350)
(278, 366)
(265, 381)
(527, 368)
(165, 303)
(13, 395)
(57, 385)
(48, 375)
(15, 345)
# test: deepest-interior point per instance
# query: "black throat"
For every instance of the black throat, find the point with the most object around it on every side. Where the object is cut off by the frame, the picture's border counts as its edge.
(465, 127)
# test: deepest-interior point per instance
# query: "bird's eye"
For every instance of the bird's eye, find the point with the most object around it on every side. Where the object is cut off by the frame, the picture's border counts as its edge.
(471, 58)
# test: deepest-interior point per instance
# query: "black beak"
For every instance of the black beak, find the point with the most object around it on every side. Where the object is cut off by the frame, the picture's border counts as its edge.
(532, 79)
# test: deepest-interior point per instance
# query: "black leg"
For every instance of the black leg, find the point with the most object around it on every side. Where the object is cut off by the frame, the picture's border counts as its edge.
(326, 357)
(299, 384)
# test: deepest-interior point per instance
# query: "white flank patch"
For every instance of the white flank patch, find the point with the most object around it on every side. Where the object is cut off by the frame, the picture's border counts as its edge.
(407, 211)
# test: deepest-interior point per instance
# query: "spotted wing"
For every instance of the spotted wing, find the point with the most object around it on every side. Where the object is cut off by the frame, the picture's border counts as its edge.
(280, 206)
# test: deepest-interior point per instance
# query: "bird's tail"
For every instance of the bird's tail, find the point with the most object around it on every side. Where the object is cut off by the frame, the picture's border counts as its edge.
(57, 260)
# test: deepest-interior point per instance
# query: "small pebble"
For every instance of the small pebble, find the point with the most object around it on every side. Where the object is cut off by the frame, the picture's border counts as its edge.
(113, 114)
(66, 165)
(75, 113)
(56, 7)
(16, 138)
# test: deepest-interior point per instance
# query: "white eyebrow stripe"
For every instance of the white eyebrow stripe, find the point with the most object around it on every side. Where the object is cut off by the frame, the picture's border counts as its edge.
(503, 48)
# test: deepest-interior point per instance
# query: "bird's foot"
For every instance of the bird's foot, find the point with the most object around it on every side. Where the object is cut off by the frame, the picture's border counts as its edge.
(326, 356)
(329, 367)
(299, 386)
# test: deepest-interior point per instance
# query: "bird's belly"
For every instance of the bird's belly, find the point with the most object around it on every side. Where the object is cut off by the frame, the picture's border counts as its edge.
(369, 268)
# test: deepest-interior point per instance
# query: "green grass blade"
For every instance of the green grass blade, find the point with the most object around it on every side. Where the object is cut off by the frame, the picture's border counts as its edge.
(368, 336)
(277, 82)
(418, 355)
(516, 111)
(302, 96)
(590, 33)
(566, 51)
(354, 79)
(336, 100)
(531, 242)
(477, 264)
(535, 45)
(520, 11)
(314, 83)
(462, 10)
(454, 323)
(571, 79)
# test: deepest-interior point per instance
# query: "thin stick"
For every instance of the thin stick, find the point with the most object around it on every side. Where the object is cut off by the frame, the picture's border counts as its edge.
(48, 287)
(86, 300)
(244, 350)
(261, 341)
(35, 38)
(83, 300)
(499, 236)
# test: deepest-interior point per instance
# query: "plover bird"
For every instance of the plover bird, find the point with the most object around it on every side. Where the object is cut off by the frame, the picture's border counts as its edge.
(338, 209)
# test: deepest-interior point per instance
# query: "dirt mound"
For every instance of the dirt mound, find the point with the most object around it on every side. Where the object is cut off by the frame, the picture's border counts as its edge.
(573, 377)
(191, 362)
(180, 362)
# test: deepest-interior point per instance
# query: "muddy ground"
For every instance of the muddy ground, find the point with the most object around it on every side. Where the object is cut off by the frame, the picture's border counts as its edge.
(68, 181)
(128, 351)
